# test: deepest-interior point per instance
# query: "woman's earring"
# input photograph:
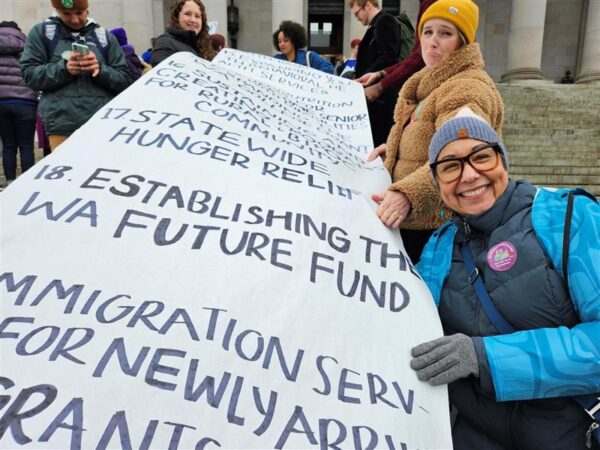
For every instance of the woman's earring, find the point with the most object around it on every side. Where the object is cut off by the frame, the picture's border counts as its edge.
(442, 213)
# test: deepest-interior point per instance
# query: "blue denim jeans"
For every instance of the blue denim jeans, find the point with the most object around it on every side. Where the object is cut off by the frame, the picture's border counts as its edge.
(17, 127)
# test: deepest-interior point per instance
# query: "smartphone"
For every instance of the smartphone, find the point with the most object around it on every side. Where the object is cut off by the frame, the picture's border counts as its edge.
(80, 48)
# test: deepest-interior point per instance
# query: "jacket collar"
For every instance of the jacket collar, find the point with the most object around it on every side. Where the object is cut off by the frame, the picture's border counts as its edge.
(493, 217)
(519, 195)
(90, 24)
(376, 17)
(185, 36)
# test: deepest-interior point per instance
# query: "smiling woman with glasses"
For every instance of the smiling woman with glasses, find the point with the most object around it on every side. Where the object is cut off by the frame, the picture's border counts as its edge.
(516, 280)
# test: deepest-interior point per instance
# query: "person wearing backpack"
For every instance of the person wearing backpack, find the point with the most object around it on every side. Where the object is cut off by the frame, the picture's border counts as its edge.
(515, 275)
(74, 84)
(394, 76)
(378, 48)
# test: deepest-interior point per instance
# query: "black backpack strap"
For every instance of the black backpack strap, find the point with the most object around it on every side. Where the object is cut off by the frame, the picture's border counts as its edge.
(567, 230)
(591, 402)
(50, 36)
(567, 239)
(497, 319)
(51, 33)
(100, 38)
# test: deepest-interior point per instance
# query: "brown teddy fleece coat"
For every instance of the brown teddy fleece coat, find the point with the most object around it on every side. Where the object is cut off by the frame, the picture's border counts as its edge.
(433, 96)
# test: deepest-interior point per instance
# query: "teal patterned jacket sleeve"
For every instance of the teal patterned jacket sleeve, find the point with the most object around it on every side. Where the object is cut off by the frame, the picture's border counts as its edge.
(434, 265)
(553, 362)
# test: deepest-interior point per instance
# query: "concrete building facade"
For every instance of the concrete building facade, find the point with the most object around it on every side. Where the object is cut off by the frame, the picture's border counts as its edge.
(520, 39)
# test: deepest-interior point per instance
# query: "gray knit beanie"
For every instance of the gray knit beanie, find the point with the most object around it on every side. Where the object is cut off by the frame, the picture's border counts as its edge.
(464, 127)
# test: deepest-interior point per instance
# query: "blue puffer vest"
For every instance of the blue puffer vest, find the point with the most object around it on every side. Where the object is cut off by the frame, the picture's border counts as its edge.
(508, 221)
(531, 295)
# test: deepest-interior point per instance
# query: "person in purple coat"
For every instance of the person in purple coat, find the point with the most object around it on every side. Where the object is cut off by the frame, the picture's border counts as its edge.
(133, 61)
(18, 104)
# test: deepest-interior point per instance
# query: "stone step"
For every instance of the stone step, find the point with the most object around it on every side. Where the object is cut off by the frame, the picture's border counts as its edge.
(541, 158)
(518, 129)
(567, 119)
(591, 188)
(575, 148)
(547, 152)
(523, 94)
(559, 124)
(552, 133)
(550, 163)
(551, 170)
(573, 180)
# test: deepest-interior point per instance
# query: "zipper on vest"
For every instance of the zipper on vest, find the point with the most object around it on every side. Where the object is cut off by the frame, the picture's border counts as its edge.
(467, 228)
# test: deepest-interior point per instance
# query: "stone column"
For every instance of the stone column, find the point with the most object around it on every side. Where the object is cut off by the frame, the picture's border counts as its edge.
(137, 17)
(525, 40)
(287, 10)
(590, 60)
(159, 13)
(216, 11)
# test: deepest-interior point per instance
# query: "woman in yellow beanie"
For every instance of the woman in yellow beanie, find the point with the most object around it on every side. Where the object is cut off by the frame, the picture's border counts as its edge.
(453, 77)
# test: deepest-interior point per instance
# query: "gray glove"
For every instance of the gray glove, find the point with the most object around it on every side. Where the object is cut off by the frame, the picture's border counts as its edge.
(445, 360)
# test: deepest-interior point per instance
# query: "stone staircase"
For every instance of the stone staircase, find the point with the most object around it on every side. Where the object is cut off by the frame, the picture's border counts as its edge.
(552, 133)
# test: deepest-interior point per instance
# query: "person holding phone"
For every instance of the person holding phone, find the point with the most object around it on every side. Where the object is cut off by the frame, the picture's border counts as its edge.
(76, 64)
(82, 60)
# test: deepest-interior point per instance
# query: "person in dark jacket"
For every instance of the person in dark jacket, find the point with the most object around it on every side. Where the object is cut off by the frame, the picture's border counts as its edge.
(187, 32)
(18, 104)
(133, 61)
(522, 326)
(392, 78)
(378, 48)
(567, 79)
(74, 84)
(290, 39)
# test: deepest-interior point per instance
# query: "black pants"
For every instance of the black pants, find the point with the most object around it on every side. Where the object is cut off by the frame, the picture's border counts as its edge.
(17, 127)
(381, 116)
(483, 423)
(414, 241)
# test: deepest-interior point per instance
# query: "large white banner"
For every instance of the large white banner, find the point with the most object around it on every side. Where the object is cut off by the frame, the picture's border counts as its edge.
(200, 266)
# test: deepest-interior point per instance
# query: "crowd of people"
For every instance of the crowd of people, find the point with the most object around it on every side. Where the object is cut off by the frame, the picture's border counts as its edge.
(513, 268)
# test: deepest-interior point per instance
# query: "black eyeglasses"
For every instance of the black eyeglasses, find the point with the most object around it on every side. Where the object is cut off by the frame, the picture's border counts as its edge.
(482, 158)
(358, 11)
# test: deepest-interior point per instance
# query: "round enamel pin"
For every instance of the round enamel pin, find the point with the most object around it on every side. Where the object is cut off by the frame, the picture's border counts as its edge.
(502, 256)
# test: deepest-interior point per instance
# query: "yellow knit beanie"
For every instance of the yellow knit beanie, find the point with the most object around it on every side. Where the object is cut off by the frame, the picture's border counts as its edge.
(464, 14)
